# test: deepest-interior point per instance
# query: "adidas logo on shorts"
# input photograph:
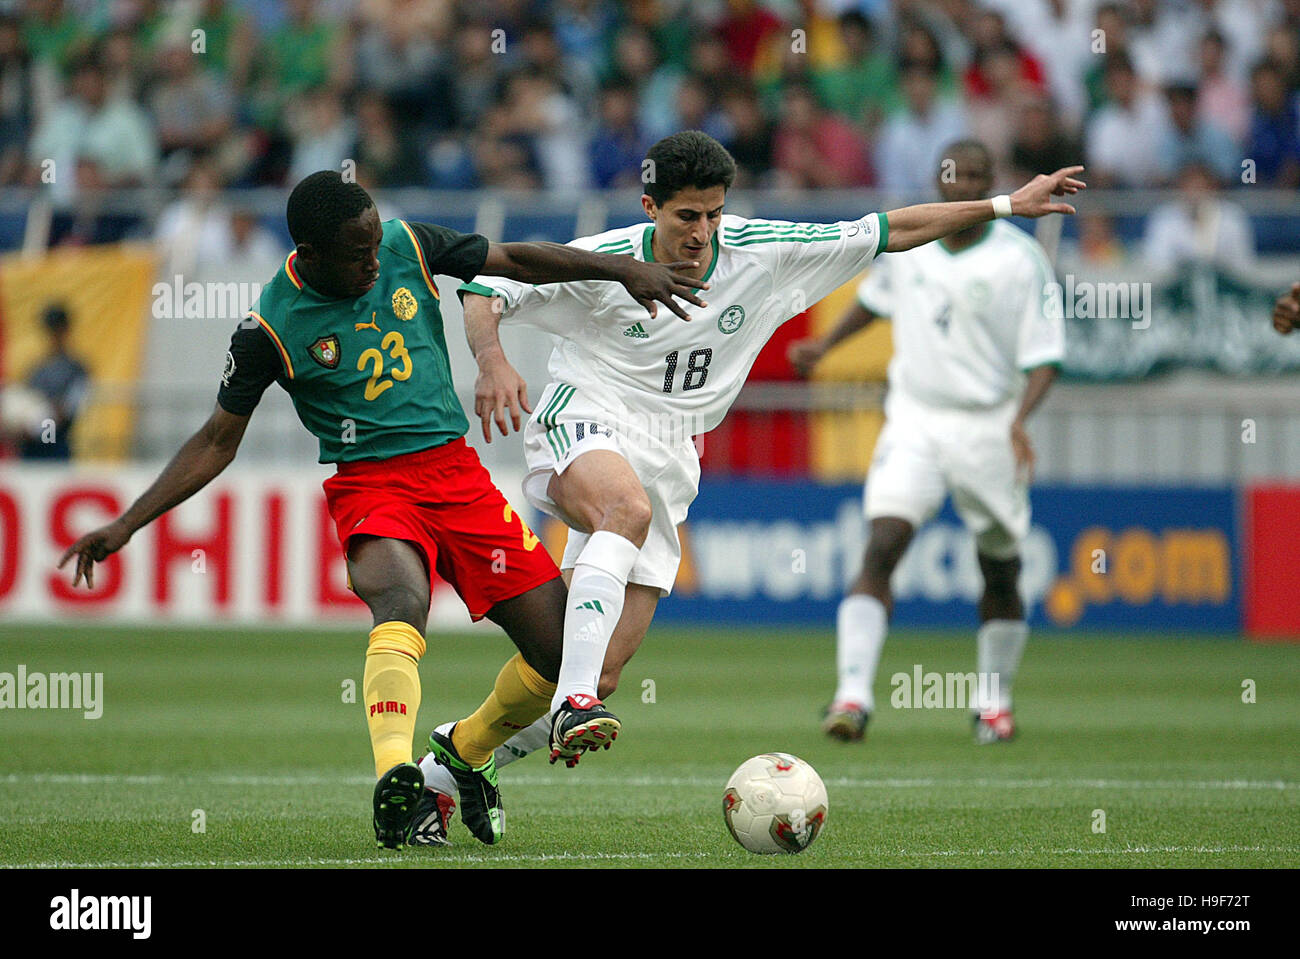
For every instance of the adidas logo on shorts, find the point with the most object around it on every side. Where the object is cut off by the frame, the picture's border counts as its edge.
(636, 331)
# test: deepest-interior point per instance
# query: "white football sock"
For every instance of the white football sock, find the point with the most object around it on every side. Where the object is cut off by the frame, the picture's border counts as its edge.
(596, 594)
(859, 637)
(999, 646)
(437, 776)
(527, 740)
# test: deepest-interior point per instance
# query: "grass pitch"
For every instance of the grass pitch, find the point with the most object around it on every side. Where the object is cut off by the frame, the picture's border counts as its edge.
(248, 735)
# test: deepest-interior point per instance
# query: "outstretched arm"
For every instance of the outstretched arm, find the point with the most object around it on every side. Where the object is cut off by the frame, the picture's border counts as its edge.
(557, 263)
(915, 225)
(804, 355)
(197, 463)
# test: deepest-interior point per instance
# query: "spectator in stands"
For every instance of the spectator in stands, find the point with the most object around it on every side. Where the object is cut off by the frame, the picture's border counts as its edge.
(384, 157)
(752, 135)
(126, 67)
(1057, 33)
(993, 45)
(745, 29)
(1097, 244)
(581, 31)
(1191, 139)
(228, 41)
(813, 36)
(619, 145)
(636, 62)
(710, 61)
(475, 79)
(918, 45)
(1112, 21)
(254, 250)
(502, 157)
(696, 109)
(541, 116)
(994, 112)
(192, 107)
(864, 88)
(671, 33)
(1040, 142)
(1274, 139)
(911, 142)
(17, 94)
(193, 232)
(53, 34)
(306, 54)
(1124, 137)
(575, 75)
(400, 56)
(1222, 99)
(1200, 227)
(815, 148)
(323, 134)
(64, 382)
(1153, 41)
(94, 142)
(1283, 51)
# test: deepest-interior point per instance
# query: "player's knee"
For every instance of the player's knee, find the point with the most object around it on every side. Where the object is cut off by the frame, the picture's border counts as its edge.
(401, 602)
(629, 516)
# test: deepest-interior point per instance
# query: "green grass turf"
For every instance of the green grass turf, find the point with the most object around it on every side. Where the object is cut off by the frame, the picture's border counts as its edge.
(250, 727)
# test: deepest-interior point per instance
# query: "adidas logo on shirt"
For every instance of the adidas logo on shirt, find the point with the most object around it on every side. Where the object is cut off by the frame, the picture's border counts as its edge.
(636, 331)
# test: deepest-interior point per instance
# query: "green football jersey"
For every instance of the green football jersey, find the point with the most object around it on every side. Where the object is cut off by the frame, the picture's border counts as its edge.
(370, 376)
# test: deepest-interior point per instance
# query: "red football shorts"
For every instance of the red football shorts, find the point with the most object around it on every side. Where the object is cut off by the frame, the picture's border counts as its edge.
(443, 501)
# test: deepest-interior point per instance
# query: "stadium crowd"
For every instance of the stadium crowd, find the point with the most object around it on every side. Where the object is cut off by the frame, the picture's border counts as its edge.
(565, 95)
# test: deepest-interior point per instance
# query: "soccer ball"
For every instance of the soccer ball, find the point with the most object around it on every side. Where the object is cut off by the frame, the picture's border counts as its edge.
(775, 803)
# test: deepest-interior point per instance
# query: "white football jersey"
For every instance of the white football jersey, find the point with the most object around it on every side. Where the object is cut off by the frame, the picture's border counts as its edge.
(763, 272)
(968, 325)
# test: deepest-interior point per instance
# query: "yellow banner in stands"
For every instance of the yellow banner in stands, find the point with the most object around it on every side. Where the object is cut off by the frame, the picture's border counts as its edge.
(106, 291)
(842, 442)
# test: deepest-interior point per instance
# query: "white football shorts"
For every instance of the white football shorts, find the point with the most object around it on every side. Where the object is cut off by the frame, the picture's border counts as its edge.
(924, 453)
(567, 423)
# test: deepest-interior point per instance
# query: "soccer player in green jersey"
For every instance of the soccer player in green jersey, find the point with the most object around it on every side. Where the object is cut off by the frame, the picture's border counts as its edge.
(351, 327)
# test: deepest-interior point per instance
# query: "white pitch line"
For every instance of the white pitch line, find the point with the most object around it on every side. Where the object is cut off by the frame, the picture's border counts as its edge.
(439, 860)
(220, 779)
(454, 859)
(1126, 851)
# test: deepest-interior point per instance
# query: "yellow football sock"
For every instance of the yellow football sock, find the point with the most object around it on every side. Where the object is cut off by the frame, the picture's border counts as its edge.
(391, 689)
(519, 697)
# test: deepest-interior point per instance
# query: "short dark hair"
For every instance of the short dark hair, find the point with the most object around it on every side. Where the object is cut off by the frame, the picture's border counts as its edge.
(690, 159)
(55, 318)
(319, 206)
(971, 145)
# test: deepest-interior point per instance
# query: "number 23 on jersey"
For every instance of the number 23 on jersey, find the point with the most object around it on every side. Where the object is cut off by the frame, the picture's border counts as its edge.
(396, 348)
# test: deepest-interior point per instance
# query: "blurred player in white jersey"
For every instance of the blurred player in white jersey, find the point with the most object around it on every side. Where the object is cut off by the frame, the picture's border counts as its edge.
(978, 338)
(609, 447)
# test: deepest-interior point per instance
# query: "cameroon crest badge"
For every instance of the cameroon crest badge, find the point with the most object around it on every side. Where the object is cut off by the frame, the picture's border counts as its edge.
(325, 351)
(404, 304)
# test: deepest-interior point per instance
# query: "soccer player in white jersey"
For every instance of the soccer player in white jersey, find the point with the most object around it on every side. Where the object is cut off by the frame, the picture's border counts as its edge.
(609, 445)
(978, 338)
